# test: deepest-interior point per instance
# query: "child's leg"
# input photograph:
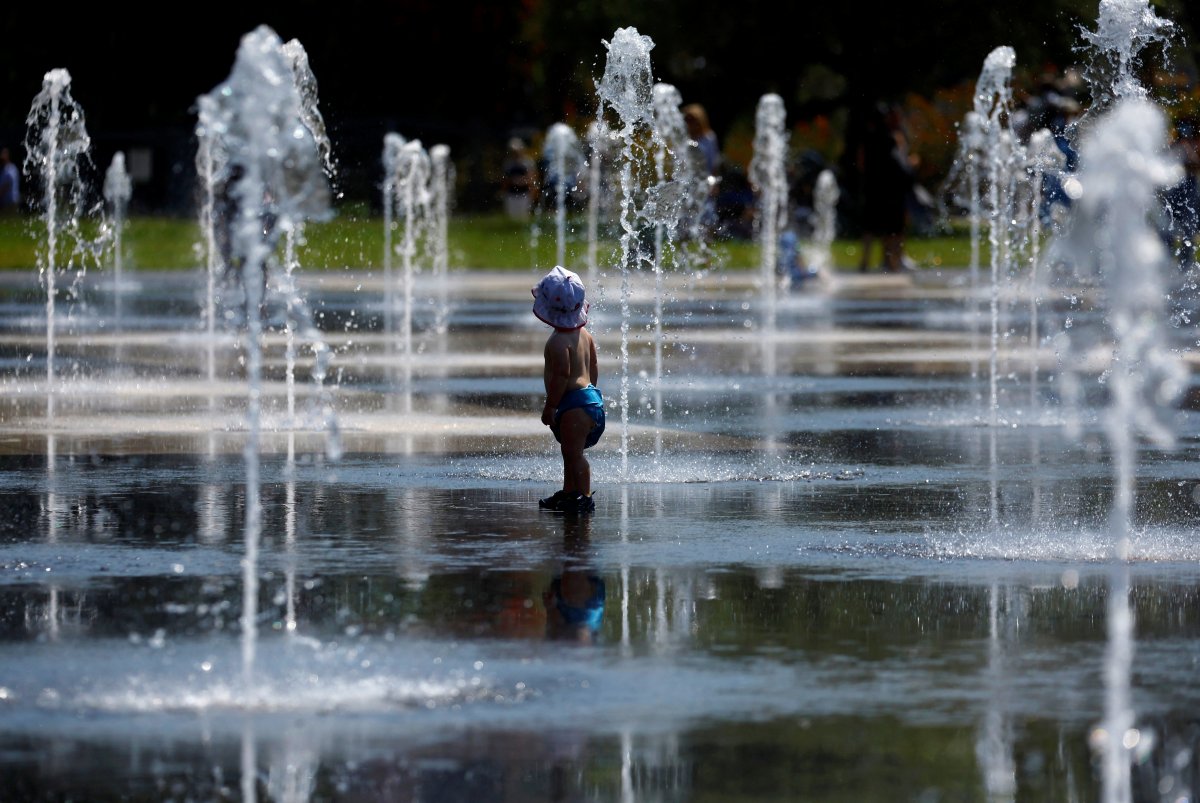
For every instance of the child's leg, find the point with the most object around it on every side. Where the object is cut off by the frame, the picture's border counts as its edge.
(573, 427)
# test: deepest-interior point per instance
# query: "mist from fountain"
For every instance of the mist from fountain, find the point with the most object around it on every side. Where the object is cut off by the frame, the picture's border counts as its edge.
(273, 177)
(625, 89)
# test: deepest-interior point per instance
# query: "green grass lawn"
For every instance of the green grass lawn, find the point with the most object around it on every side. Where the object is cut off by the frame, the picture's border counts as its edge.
(487, 241)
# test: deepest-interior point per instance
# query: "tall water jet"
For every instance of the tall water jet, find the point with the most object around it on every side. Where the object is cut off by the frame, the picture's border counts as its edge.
(56, 149)
(993, 108)
(769, 177)
(117, 191)
(825, 200)
(768, 174)
(564, 164)
(411, 185)
(964, 185)
(310, 114)
(674, 181)
(274, 181)
(1045, 158)
(625, 89)
(441, 180)
(681, 191)
(211, 166)
(1110, 247)
(393, 143)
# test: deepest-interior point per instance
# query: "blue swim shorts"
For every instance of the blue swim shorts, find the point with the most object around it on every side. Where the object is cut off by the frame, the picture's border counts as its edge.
(591, 402)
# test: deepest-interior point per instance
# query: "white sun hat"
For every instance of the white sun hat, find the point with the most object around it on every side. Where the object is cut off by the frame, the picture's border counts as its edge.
(558, 299)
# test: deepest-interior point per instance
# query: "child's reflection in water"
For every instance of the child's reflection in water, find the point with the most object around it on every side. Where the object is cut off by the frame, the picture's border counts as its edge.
(574, 601)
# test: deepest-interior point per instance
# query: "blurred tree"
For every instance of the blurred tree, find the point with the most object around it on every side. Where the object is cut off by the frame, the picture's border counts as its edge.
(469, 72)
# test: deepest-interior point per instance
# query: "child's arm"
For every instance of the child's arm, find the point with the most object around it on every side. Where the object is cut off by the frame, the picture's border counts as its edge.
(594, 369)
(558, 373)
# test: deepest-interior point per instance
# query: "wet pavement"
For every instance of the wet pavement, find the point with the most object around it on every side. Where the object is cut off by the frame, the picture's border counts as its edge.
(823, 569)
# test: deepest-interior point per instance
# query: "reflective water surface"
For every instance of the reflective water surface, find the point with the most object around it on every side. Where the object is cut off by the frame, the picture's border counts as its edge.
(828, 577)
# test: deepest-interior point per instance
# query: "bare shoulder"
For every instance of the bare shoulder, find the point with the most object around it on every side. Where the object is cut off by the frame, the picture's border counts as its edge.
(559, 343)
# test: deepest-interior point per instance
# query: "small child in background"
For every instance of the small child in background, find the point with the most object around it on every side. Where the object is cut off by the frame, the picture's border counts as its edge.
(574, 408)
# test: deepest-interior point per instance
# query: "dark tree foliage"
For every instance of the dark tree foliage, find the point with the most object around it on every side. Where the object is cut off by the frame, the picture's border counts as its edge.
(471, 72)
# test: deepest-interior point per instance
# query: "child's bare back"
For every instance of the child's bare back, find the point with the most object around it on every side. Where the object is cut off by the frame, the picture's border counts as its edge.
(570, 365)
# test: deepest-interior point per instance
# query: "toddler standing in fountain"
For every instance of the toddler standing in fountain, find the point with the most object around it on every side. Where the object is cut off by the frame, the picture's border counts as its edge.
(574, 408)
